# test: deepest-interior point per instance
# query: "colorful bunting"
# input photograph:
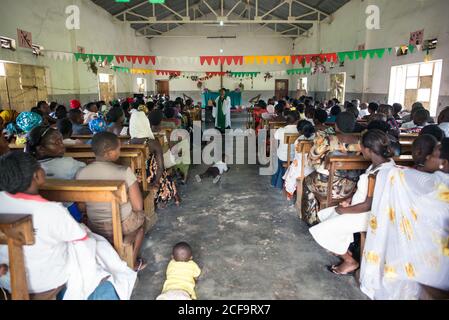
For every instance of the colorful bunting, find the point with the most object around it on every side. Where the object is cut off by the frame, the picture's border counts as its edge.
(299, 71)
(244, 74)
(267, 59)
(216, 60)
(329, 57)
(357, 54)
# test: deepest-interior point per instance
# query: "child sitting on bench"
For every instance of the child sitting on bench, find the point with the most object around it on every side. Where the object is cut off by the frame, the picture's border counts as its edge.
(182, 272)
(106, 147)
(216, 171)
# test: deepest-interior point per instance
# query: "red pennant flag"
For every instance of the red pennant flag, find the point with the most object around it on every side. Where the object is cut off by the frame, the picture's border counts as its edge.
(147, 59)
(229, 60)
(216, 60)
(238, 60)
(120, 59)
(132, 59)
(153, 60)
(140, 59)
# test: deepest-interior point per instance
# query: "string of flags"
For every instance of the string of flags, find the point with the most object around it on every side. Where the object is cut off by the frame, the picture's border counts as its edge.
(304, 59)
(207, 74)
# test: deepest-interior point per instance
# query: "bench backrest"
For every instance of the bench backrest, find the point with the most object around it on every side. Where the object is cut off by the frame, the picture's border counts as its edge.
(99, 191)
(17, 231)
(350, 163)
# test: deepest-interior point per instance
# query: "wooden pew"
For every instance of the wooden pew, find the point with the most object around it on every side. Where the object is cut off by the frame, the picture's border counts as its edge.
(126, 149)
(113, 192)
(86, 138)
(304, 148)
(17, 231)
(289, 139)
(404, 137)
(351, 163)
(131, 159)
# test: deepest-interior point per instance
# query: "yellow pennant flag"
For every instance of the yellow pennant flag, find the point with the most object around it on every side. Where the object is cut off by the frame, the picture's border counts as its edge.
(249, 60)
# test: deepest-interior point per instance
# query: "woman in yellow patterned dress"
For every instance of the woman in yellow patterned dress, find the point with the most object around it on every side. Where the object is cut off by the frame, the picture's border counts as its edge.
(407, 245)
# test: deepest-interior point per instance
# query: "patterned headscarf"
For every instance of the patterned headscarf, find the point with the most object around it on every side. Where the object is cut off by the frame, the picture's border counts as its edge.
(143, 108)
(75, 104)
(27, 121)
(8, 116)
(97, 125)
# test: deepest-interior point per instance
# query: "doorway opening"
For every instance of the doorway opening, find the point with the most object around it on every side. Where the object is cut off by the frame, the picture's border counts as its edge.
(281, 89)
(163, 87)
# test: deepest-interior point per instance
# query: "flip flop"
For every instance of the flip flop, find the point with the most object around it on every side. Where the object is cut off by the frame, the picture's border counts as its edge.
(142, 264)
(332, 269)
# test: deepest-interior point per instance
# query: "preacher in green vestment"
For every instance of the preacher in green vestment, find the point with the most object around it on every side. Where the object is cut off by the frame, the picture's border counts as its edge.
(222, 111)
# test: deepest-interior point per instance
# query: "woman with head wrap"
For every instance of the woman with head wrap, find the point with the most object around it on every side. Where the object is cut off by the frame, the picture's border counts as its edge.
(8, 116)
(75, 104)
(27, 121)
(158, 178)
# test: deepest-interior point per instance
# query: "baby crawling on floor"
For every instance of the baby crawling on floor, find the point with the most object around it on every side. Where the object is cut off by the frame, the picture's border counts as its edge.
(182, 273)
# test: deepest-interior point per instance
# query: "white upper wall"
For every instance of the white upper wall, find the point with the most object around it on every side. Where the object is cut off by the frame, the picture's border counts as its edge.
(188, 40)
(99, 33)
(398, 19)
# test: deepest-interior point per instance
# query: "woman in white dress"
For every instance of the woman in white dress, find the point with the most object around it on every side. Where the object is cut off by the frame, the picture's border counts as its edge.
(407, 244)
(307, 132)
(336, 231)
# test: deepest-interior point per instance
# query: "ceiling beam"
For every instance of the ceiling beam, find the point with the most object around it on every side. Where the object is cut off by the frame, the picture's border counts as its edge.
(311, 8)
(210, 8)
(130, 9)
(282, 21)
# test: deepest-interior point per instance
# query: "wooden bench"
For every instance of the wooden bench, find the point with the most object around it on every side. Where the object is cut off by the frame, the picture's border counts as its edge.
(17, 231)
(97, 191)
(127, 150)
(408, 137)
(304, 148)
(289, 140)
(86, 138)
(350, 163)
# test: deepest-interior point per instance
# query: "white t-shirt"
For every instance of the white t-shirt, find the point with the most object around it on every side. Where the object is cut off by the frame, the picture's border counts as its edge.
(223, 167)
(46, 262)
(445, 127)
(363, 113)
(283, 148)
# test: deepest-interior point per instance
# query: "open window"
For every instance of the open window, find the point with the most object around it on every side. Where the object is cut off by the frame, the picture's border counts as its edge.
(419, 82)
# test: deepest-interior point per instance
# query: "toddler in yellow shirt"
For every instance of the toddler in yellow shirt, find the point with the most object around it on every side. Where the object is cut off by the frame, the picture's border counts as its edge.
(182, 272)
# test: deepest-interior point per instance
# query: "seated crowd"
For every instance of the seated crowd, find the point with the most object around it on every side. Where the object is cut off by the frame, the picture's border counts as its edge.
(45, 136)
(400, 205)
(376, 135)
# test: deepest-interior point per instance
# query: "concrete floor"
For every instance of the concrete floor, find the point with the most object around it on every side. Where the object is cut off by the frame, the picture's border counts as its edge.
(248, 241)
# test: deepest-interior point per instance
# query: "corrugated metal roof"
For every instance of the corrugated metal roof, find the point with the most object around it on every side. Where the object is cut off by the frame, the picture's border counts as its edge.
(144, 8)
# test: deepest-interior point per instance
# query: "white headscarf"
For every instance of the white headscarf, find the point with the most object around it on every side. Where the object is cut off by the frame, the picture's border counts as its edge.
(139, 126)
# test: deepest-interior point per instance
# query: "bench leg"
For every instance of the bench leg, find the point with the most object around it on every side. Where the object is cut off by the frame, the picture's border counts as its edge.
(299, 191)
(19, 284)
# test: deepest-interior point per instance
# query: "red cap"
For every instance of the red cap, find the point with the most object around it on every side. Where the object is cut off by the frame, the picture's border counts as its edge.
(75, 104)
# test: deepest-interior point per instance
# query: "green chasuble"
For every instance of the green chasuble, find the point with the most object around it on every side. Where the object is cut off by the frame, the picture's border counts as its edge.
(221, 117)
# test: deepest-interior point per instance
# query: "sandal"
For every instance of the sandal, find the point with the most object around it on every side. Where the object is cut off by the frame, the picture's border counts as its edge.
(141, 265)
(334, 271)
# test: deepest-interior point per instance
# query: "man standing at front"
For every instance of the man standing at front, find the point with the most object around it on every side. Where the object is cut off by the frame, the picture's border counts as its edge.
(222, 112)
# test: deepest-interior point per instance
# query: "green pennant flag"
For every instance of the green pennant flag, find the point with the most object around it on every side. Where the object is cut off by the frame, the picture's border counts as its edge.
(390, 50)
(81, 56)
(411, 48)
(110, 58)
(341, 56)
(380, 53)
